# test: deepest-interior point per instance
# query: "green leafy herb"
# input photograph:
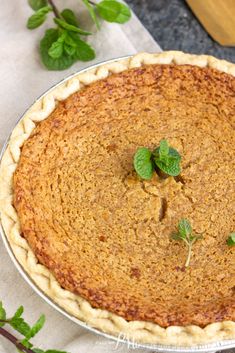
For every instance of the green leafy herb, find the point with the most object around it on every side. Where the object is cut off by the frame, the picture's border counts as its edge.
(70, 45)
(113, 11)
(38, 17)
(63, 24)
(84, 52)
(56, 50)
(57, 47)
(70, 50)
(70, 39)
(70, 17)
(61, 63)
(231, 240)
(167, 159)
(36, 327)
(185, 233)
(18, 312)
(92, 13)
(143, 163)
(60, 50)
(163, 149)
(20, 325)
(37, 4)
(62, 46)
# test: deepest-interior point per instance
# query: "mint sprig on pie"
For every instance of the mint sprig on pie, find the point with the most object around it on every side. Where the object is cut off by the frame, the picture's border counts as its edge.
(163, 158)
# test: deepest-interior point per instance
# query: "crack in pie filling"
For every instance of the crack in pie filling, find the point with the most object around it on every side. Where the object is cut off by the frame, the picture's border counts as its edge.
(104, 233)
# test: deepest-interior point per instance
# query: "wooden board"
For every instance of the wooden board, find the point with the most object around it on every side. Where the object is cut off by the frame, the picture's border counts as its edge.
(217, 17)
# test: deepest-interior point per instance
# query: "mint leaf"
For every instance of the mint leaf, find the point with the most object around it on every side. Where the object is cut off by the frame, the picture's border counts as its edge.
(92, 13)
(69, 39)
(143, 163)
(113, 11)
(124, 15)
(172, 168)
(163, 149)
(70, 45)
(84, 52)
(38, 18)
(38, 350)
(36, 327)
(70, 17)
(69, 27)
(20, 325)
(174, 154)
(2, 315)
(56, 49)
(231, 240)
(18, 312)
(61, 63)
(167, 159)
(37, 4)
(184, 228)
(69, 49)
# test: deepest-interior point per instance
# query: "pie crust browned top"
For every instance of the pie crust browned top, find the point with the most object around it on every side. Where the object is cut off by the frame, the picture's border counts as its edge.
(103, 234)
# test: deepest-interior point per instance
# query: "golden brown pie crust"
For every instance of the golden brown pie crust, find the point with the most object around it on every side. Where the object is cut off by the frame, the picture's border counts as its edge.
(105, 234)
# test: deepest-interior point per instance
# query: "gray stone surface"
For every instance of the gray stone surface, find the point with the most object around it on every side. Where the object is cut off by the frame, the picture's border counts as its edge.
(175, 27)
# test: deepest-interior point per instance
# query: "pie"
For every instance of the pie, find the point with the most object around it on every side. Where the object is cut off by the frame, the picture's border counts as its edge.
(94, 236)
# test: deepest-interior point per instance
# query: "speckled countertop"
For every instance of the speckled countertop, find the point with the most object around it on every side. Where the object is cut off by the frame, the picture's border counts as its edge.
(174, 27)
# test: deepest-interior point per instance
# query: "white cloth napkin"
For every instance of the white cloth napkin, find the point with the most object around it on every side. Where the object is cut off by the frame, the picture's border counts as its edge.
(22, 80)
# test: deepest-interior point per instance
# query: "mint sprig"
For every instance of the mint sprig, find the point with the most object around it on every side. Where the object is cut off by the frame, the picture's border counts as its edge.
(62, 46)
(231, 239)
(17, 322)
(185, 234)
(66, 51)
(164, 158)
(54, 63)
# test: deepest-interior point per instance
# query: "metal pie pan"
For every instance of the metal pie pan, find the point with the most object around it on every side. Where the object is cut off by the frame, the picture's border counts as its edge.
(210, 347)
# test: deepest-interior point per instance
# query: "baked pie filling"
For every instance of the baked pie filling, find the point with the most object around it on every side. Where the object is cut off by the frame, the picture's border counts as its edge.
(105, 233)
